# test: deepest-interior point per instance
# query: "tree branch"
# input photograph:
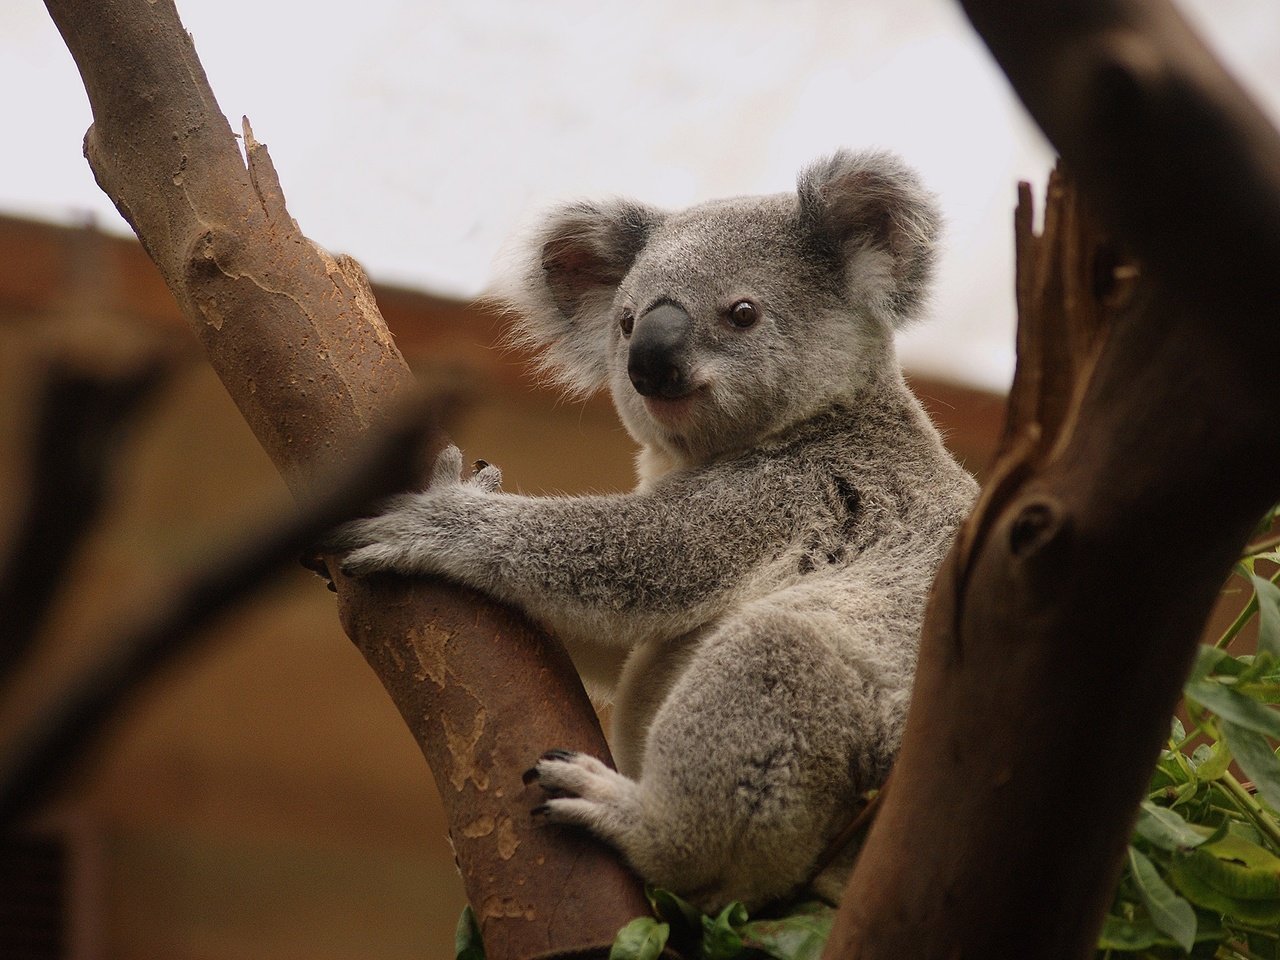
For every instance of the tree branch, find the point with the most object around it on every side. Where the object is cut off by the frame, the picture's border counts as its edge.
(298, 341)
(1088, 571)
(55, 744)
(79, 416)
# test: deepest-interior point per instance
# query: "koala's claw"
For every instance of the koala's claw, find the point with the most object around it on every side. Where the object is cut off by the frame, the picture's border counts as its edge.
(533, 773)
(583, 791)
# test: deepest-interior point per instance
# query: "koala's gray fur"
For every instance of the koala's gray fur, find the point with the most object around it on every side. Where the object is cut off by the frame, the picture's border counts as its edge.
(753, 606)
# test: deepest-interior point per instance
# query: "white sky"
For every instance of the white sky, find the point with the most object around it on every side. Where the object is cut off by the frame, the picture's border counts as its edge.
(417, 136)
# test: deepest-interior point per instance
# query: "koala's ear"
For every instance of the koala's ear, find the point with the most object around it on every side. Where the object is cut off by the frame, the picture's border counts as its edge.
(872, 210)
(562, 283)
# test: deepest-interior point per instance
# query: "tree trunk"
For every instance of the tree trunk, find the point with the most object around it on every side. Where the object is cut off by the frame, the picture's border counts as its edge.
(297, 339)
(1065, 618)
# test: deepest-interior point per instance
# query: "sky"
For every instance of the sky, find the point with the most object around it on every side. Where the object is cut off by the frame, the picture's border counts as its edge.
(418, 137)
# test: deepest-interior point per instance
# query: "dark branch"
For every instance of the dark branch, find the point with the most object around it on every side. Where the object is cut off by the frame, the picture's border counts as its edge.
(56, 743)
(79, 420)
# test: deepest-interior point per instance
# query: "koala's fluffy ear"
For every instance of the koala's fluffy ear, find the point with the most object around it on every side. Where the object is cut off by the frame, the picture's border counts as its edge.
(872, 210)
(563, 283)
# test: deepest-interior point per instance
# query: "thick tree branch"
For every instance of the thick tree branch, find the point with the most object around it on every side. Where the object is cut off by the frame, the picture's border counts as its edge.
(1166, 146)
(298, 341)
(1064, 621)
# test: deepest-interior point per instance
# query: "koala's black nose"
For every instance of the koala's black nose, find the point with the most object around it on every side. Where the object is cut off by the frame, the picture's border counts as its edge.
(656, 359)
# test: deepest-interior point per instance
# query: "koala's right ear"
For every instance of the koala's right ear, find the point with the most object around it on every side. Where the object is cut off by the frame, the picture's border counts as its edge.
(562, 285)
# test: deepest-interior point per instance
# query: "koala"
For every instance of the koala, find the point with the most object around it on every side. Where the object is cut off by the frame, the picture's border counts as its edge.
(752, 608)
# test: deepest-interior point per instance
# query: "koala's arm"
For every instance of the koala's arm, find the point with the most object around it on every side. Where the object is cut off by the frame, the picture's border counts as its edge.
(618, 569)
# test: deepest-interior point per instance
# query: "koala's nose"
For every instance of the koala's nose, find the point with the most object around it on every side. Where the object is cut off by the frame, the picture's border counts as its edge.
(656, 358)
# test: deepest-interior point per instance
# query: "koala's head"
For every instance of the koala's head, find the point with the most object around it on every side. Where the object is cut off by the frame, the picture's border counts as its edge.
(716, 326)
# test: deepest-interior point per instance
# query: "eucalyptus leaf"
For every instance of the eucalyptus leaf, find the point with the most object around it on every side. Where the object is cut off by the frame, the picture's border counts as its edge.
(1127, 935)
(1237, 870)
(1215, 762)
(1268, 614)
(720, 937)
(1165, 829)
(1169, 912)
(797, 937)
(1208, 657)
(683, 916)
(1256, 759)
(467, 944)
(641, 939)
(1232, 705)
(1185, 793)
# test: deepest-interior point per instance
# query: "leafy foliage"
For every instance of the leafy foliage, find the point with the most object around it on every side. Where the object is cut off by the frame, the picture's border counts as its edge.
(798, 933)
(1202, 877)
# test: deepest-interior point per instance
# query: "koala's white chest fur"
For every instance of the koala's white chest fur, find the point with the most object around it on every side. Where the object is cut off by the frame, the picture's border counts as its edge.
(754, 604)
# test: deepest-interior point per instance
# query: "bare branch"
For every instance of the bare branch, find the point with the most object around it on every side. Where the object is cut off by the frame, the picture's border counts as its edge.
(80, 414)
(56, 743)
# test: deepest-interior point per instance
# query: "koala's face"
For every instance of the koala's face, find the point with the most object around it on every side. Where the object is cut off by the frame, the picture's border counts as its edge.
(721, 324)
(730, 324)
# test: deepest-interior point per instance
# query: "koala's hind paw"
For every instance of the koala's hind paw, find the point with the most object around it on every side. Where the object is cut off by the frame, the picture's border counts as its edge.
(583, 791)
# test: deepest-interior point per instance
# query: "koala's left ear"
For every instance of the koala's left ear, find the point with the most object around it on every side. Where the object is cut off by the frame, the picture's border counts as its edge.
(872, 210)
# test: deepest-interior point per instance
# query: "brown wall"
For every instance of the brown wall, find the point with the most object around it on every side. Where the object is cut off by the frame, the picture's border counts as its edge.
(264, 800)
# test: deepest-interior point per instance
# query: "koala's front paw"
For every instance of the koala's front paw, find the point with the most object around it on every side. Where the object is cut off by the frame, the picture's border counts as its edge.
(375, 544)
(407, 534)
(447, 472)
(583, 791)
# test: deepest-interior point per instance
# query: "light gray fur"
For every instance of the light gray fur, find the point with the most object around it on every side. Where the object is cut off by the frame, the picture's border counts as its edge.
(753, 607)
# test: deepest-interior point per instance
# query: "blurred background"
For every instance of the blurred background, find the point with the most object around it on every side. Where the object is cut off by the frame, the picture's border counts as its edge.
(264, 800)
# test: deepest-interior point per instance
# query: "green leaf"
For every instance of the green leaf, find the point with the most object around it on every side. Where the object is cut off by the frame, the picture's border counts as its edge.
(720, 938)
(1169, 912)
(1233, 877)
(1215, 761)
(1185, 793)
(1208, 657)
(1165, 829)
(1268, 614)
(799, 936)
(1127, 935)
(683, 916)
(467, 944)
(1256, 759)
(1232, 705)
(641, 939)
(1177, 732)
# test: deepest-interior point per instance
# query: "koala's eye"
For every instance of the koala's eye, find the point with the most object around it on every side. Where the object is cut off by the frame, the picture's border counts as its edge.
(743, 314)
(627, 322)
